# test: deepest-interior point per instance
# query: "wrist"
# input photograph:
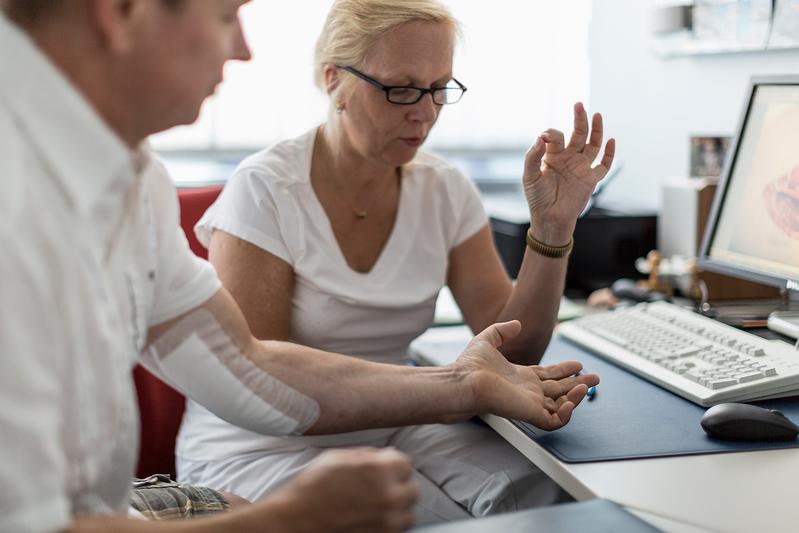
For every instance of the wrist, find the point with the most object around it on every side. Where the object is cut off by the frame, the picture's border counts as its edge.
(547, 250)
(466, 394)
(287, 512)
(556, 236)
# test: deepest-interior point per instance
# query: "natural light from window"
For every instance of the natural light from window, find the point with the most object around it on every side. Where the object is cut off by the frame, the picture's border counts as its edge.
(525, 63)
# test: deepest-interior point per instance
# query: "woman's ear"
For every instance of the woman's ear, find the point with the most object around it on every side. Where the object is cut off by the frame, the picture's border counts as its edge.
(332, 78)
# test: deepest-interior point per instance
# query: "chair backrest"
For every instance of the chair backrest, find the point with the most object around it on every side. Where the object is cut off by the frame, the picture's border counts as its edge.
(160, 406)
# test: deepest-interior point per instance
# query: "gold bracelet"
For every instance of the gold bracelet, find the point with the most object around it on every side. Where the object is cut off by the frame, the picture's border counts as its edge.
(547, 250)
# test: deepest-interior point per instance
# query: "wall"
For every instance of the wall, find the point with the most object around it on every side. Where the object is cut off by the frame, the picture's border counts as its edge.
(652, 105)
(525, 63)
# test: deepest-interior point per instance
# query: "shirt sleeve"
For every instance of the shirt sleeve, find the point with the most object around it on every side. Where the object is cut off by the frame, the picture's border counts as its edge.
(183, 280)
(468, 208)
(248, 209)
(32, 464)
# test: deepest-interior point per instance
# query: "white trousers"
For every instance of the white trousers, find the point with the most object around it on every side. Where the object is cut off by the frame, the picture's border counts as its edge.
(462, 470)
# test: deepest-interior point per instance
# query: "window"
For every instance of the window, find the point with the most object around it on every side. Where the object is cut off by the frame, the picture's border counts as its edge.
(525, 64)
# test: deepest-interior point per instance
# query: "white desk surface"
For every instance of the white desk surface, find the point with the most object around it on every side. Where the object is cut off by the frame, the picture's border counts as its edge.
(731, 492)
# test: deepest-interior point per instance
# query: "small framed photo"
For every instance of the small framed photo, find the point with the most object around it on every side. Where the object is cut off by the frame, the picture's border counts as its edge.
(707, 155)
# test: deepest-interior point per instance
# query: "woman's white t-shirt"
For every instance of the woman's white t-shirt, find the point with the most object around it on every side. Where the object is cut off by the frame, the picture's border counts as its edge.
(270, 203)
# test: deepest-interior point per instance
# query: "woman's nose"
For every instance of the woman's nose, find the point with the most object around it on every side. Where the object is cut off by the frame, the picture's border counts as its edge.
(425, 110)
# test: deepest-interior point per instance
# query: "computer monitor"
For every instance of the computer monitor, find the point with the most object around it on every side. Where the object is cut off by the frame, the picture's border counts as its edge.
(753, 229)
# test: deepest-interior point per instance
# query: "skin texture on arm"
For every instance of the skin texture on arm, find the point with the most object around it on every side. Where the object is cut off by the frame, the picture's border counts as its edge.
(485, 294)
(558, 181)
(261, 283)
(353, 394)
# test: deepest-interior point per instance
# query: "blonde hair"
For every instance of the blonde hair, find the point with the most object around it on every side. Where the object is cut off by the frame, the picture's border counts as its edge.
(353, 26)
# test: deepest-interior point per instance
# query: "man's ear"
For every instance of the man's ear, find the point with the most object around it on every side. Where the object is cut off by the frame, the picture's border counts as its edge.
(116, 22)
(332, 78)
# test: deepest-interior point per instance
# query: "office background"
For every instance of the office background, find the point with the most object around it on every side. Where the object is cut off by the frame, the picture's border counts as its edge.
(525, 63)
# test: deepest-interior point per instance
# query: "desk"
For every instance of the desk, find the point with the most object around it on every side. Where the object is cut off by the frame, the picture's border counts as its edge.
(736, 492)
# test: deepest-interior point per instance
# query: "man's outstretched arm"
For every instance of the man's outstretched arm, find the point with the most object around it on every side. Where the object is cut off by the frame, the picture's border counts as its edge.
(210, 351)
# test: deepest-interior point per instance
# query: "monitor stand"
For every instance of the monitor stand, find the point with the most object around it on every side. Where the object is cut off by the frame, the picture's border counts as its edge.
(786, 320)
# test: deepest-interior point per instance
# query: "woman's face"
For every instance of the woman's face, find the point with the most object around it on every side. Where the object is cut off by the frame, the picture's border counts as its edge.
(415, 54)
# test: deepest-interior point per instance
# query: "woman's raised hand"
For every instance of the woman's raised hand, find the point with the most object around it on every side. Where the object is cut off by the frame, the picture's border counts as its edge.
(559, 178)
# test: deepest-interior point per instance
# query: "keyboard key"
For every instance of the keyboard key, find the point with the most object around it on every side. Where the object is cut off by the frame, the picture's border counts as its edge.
(693, 376)
(609, 335)
(751, 376)
(721, 383)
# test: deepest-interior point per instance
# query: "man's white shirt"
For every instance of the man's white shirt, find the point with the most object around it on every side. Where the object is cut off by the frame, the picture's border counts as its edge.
(91, 256)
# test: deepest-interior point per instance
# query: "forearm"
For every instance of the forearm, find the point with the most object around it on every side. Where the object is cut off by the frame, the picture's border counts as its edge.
(354, 394)
(278, 388)
(534, 302)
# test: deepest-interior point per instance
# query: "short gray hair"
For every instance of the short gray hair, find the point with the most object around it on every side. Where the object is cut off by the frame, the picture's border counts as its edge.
(27, 13)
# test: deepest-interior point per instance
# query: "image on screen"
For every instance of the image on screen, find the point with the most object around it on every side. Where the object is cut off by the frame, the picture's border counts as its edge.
(758, 222)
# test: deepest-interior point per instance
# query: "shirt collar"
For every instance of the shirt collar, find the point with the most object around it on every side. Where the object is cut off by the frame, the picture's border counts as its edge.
(88, 159)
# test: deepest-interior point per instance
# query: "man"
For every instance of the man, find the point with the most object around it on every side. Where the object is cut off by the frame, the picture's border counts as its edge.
(96, 275)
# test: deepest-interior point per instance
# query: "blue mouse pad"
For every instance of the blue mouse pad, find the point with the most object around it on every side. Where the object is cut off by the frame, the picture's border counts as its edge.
(630, 418)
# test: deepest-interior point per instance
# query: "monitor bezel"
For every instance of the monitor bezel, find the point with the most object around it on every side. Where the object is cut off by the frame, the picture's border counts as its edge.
(704, 260)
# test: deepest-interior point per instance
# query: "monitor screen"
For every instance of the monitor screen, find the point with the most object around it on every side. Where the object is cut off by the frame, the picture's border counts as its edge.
(753, 230)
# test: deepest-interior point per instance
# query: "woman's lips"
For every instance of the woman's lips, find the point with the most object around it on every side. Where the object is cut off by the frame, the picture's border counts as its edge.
(412, 141)
(782, 202)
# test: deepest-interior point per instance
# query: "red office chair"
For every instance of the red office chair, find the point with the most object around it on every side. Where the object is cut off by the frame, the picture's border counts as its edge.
(160, 406)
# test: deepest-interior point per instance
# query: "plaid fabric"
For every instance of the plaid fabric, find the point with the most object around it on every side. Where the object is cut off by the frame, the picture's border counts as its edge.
(159, 498)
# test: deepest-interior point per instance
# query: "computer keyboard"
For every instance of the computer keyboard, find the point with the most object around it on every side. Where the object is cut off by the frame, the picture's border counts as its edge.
(698, 358)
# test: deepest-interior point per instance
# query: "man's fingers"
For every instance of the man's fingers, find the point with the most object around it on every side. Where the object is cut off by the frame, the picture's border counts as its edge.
(550, 404)
(557, 388)
(577, 394)
(497, 334)
(397, 463)
(554, 141)
(580, 133)
(564, 414)
(558, 371)
(588, 379)
(554, 420)
(404, 496)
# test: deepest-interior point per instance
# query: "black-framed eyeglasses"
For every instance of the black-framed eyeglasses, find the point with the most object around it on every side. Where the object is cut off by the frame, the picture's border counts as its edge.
(409, 95)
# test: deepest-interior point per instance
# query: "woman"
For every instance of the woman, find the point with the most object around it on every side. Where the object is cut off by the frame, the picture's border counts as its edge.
(342, 238)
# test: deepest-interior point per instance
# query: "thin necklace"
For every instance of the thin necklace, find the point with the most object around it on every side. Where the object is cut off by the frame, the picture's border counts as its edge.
(361, 214)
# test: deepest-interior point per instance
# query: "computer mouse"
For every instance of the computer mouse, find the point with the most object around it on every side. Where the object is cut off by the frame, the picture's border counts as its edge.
(740, 421)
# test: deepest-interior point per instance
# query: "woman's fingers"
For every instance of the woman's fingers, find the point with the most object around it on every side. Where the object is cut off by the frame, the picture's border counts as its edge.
(555, 141)
(595, 142)
(532, 160)
(580, 133)
(601, 170)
